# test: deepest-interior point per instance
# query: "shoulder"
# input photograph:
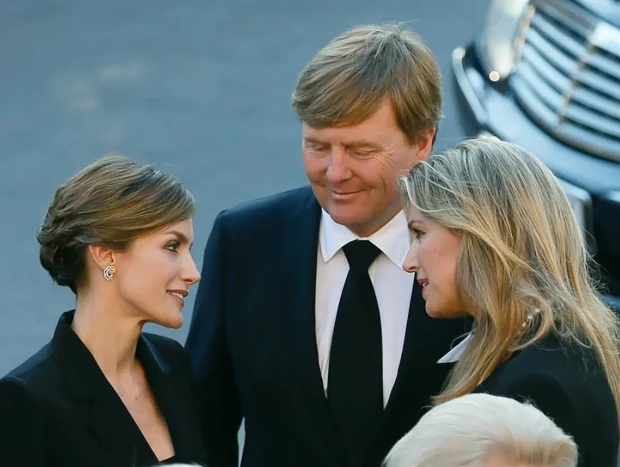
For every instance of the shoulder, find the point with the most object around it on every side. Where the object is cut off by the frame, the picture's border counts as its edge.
(28, 418)
(267, 209)
(12, 386)
(36, 371)
(18, 395)
(563, 379)
(568, 362)
(566, 383)
(271, 204)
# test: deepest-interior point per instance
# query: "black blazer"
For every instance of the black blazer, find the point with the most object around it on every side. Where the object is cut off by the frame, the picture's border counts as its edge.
(253, 346)
(567, 383)
(58, 410)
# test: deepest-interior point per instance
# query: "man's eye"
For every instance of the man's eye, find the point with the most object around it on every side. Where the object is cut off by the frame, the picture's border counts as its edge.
(360, 153)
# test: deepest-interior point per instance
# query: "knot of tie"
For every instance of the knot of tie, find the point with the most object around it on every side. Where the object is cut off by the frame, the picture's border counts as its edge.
(360, 254)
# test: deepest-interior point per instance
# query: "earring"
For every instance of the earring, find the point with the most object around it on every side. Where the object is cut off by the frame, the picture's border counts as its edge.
(108, 272)
(530, 317)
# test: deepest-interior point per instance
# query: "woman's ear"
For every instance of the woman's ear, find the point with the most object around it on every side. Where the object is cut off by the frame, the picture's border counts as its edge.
(102, 256)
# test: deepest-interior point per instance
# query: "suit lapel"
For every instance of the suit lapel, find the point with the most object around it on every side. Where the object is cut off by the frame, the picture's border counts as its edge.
(174, 406)
(98, 406)
(419, 376)
(300, 290)
(409, 361)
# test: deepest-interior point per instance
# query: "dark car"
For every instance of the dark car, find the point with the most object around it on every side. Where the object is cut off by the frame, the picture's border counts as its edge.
(545, 74)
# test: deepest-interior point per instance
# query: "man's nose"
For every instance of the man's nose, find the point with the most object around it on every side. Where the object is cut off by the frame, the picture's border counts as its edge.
(338, 169)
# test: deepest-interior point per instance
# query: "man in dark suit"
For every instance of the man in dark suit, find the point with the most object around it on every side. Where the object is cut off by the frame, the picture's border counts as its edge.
(305, 324)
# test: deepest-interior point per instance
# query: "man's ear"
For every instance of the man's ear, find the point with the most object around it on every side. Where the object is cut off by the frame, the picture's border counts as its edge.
(425, 143)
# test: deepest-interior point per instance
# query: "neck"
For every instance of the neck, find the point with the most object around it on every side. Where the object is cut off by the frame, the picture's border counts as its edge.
(110, 337)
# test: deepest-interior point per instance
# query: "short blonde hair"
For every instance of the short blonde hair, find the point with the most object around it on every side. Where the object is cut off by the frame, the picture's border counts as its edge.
(520, 236)
(467, 430)
(347, 80)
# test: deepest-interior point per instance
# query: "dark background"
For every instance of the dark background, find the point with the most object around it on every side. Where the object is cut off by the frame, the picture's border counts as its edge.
(201, 88)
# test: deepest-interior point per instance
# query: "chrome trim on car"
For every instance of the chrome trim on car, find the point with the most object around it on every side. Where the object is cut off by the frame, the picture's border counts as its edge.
(567, 75)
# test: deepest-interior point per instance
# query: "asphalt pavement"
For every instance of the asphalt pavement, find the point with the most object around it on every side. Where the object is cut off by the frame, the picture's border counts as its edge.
(202, 88)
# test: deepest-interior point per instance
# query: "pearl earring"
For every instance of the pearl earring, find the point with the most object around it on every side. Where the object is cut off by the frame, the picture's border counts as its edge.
(108, 272)
(530, 317)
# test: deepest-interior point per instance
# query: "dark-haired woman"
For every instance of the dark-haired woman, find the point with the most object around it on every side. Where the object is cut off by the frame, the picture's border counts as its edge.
(101, 392)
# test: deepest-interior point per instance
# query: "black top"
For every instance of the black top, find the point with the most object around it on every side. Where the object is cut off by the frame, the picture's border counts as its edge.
(58, 409)
(568, 384)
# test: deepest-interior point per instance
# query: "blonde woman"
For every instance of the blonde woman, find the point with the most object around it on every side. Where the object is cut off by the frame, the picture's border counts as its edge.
(494, 237)
(485, 431)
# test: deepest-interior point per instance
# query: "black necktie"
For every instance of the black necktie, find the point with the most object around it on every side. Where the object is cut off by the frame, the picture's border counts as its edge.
(355, 381)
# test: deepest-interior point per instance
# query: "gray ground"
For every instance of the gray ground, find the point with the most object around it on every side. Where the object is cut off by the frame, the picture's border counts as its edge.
(201, 87)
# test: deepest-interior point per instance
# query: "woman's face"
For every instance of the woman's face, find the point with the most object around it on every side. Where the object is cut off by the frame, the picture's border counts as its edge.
(433, 256)
(154, 275)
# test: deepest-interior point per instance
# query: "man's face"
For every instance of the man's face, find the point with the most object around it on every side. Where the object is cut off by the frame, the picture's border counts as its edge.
(354, 170)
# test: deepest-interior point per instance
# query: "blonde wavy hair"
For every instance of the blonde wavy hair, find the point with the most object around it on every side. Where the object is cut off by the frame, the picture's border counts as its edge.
(521, 250)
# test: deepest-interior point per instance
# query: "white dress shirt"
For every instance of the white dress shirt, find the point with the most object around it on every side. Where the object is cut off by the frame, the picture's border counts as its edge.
(393, 287)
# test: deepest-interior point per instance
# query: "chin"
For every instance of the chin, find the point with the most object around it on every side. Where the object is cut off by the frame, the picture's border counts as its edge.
(177, 323)
(442, 313)
(170, 320)
(353, 218)
(343, 214)
(433, 313)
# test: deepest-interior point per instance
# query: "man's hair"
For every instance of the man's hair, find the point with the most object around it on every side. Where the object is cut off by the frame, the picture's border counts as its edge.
(347, 81)
(470, 429)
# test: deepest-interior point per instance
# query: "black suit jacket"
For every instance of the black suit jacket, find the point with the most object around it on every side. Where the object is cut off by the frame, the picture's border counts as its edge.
(253, 345)
(567, 383)
(58, 409)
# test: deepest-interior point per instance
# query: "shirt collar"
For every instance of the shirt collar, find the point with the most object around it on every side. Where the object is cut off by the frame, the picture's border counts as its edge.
(392, 239)
(456, 353)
